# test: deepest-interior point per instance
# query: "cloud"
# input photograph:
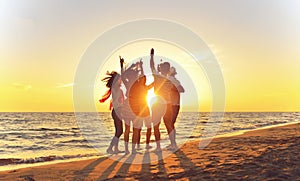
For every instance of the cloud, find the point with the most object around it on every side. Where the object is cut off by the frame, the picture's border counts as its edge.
(21, 86)
(61, 85)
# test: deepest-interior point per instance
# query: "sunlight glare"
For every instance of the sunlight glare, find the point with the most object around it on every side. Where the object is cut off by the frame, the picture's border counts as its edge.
(151, 97)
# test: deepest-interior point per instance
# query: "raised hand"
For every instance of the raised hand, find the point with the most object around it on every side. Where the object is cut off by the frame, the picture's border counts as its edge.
(152, 51)
(121, 63)
(121, 60)
(152, 60)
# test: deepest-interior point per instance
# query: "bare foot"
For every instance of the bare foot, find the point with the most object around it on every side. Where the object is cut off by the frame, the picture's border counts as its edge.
(157, 150)
(138, 147)
(172, 148)
(118, 151)
(109, 151)
(148, 147)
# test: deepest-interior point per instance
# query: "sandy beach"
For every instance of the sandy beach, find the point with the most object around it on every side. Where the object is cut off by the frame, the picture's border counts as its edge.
(266, 154)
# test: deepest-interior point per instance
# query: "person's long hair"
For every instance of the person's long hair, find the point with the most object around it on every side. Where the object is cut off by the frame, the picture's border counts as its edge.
(112, 76)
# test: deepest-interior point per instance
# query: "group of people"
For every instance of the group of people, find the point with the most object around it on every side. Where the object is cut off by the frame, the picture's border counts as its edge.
(133, 107)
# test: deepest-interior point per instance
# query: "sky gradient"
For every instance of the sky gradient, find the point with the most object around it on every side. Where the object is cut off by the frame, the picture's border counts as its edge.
(256, 42)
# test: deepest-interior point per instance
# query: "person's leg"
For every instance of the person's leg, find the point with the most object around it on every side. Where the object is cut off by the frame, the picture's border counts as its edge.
(119, 130)
(157, 136)
(168, 119)
(135, 138)
(148, 133)
(171, 131)
(111, 145)
(169, 125)
(138, 146)
(136, 134)
(114, 139)
(175, 111)
(158, 111)
(126, 136)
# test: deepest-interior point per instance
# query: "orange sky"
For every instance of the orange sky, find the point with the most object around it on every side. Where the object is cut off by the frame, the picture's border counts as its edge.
(256, 44)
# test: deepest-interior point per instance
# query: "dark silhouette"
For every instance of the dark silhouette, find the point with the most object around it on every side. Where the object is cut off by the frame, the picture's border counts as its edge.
(139, 105)
(129, 76)
(175, 101)
(162, 107)
(135, 108)
(113, 83)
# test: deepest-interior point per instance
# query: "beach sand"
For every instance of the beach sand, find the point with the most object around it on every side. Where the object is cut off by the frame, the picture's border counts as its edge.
(266, 154)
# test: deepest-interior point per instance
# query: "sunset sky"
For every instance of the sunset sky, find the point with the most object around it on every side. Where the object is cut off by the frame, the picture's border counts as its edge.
(255, 41)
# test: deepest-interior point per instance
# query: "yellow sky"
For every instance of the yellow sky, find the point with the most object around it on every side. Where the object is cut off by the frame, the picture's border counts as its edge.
(256, 43)
(190, 73)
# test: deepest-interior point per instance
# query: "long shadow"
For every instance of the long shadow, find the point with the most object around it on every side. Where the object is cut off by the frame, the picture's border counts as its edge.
(146, 170)
(146, 166)
(106, 173)
(121, 172)
(146, 173)
(82, 174)
(162, 173)
(274, 164)
(125, 167)
(190, 169)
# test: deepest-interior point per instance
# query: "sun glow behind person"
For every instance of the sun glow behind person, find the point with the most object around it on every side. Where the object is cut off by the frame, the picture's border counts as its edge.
(184, 63)
(151, 97)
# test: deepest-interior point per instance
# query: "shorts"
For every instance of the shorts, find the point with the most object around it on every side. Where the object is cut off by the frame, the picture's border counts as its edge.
(158, 111)
(137, 123)
(148, 122)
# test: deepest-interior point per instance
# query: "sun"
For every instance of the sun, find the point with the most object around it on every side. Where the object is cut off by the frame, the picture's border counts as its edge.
(151, 97)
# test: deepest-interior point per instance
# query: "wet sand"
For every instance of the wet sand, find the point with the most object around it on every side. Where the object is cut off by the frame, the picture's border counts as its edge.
(265, 154)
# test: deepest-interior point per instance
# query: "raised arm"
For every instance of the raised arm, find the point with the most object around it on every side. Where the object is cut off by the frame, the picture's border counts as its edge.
(122, 64)
(152, 61)
(150, 86)
(123, 75)
(141, 67)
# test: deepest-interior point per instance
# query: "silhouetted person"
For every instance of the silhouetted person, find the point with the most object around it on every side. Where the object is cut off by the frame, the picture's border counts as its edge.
(175, 95)
(162, 107)
(129, 76)
(113, 83)
(138, 103)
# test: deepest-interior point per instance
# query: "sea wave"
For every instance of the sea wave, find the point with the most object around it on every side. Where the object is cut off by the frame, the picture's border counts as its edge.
(15, 161)
(52, 134)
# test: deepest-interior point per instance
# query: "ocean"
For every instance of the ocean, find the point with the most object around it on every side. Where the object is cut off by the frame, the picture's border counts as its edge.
(30, 138)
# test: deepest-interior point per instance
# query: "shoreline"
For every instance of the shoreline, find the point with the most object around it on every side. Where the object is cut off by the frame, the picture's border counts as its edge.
(240, 132)
(256, 154)
(11, 167)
